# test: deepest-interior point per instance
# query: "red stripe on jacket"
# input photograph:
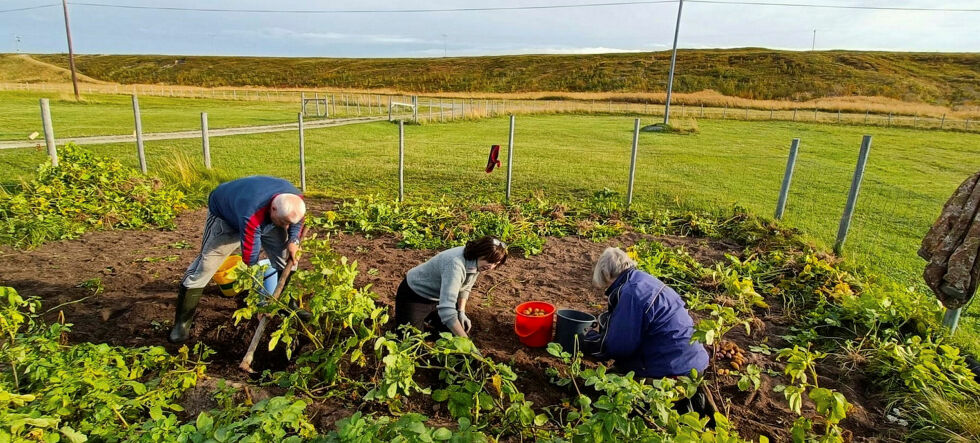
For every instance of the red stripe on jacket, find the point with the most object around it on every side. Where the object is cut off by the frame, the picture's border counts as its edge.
(248, 237)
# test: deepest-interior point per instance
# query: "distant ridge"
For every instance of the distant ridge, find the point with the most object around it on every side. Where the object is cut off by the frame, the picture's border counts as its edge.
(949, 79)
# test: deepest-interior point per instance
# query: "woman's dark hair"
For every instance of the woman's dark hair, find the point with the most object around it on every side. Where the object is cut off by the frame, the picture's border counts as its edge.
(487, 248)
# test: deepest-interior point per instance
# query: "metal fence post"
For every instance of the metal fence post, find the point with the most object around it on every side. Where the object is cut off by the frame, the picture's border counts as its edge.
(302, 101)
(510, 155)
(942, 122)
(389, 108)
(415, 109)
(787, 178)
(794, 114)
(139, 133)
(845, 221)
(401, 160)
(48, 131)
(636, 140)
(302, 154)
(205, 141)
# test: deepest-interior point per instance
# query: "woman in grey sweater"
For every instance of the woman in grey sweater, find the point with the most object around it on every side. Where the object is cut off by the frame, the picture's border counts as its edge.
(433, 295)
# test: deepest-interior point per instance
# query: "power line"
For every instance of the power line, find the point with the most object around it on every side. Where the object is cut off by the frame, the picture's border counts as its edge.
(810, 5)
(373, 11)
(29, 8)
(484, 9)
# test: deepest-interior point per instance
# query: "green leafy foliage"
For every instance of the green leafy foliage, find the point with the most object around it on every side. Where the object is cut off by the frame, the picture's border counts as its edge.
(85, 191)
(673, 266)
(409, 428)
(750, 378)
(344, 317)
(475, 388)
(92, 390)
(927, 364)
(629, 409)
(276, 419)
(523, 225)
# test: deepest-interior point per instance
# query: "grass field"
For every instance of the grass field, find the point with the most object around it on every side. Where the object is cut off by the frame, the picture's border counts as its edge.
(937, 78)
(111, 114)
(909, 176)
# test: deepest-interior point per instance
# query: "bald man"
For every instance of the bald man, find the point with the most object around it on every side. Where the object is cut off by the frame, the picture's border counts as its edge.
(258, 213)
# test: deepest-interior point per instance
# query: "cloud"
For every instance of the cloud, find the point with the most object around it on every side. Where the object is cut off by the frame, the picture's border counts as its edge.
(283, 33)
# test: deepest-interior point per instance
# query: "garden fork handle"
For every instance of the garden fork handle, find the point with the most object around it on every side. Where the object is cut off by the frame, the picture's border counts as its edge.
(246, 364)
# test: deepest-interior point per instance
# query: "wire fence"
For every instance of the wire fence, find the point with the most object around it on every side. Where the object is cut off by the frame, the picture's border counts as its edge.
(341, 104)
(895, 207)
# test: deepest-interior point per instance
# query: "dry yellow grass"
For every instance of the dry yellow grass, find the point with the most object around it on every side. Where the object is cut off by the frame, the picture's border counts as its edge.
(557, 102)
(26, 69)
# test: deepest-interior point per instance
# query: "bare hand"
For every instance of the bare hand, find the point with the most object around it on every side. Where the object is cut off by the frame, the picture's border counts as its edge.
(293, 249)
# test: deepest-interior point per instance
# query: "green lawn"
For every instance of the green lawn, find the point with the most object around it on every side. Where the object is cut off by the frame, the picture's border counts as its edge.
(112, 114)
(909, 175)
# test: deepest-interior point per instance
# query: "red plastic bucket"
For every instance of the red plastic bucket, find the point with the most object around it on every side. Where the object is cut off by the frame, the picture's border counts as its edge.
(534, 331)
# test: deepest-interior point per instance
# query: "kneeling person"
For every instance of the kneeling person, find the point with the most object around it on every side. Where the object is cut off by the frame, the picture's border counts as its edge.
(433, 295)
(646, 328)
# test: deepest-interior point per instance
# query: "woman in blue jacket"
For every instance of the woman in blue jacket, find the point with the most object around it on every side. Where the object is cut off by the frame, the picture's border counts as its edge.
(646, 328)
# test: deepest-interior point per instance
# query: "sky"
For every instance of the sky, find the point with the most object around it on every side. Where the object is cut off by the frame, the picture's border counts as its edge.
(579, 30)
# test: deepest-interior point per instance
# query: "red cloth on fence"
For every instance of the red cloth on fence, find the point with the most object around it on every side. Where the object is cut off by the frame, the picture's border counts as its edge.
(493, 160)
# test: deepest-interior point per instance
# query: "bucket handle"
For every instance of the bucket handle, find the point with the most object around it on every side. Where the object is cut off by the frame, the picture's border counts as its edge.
(520, 334)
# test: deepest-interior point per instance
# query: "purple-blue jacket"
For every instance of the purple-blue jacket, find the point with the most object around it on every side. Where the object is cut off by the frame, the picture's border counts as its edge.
(245, 203)
(648, 330)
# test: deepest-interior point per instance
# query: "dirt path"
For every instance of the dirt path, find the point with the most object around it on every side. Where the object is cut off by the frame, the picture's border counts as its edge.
(138, 273)
(103, 139)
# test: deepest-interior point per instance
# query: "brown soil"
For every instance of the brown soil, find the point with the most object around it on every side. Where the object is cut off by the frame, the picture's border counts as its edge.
(139, 271)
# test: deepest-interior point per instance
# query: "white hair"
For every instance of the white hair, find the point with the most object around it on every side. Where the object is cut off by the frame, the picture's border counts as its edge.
(289, 207)
(610, 264)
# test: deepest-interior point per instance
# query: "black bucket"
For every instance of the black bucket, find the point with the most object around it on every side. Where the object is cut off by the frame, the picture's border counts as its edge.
(571, 324)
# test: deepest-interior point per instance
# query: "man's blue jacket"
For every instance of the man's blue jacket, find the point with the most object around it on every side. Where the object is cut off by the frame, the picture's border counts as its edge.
(648, 330)
(244, 204)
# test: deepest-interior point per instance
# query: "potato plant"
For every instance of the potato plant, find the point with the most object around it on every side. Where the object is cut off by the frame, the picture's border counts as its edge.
(84, 192)
(50, 390)
(344, 318)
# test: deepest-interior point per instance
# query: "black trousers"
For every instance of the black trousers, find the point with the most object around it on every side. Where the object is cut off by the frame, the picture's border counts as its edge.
(413, 309)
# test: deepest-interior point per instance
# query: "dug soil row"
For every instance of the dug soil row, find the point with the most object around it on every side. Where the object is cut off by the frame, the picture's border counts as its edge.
(119, 287)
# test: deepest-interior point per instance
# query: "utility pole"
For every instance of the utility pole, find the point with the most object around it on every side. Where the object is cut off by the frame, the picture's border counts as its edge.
(71, 52)
(813, 44)
(443, 45)
(673, 61)
(18, 44)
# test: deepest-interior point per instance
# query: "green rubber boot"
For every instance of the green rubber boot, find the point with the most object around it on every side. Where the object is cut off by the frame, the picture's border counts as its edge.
(187, 300)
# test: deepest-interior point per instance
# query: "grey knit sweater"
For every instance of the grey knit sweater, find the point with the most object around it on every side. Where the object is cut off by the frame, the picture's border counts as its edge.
(446, 279)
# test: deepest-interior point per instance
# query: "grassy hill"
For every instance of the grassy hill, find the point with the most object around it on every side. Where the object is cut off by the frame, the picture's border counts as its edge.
(22, 68)
(949, 79)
